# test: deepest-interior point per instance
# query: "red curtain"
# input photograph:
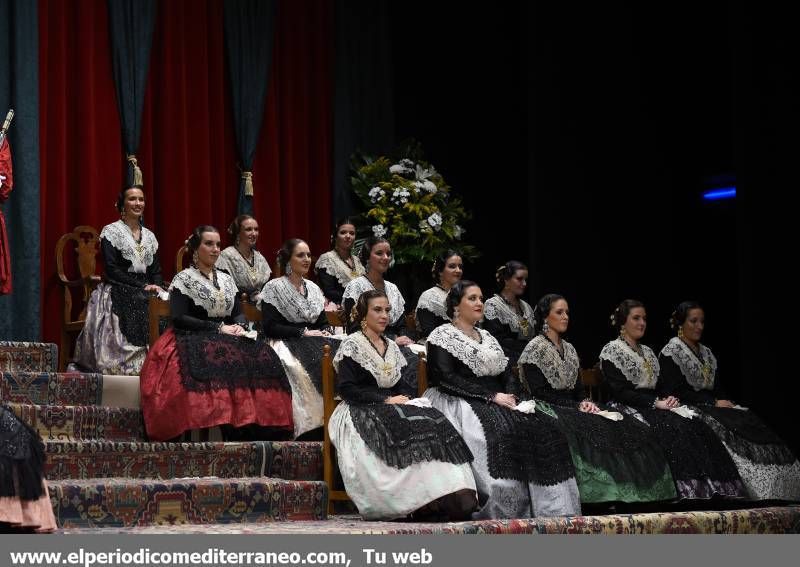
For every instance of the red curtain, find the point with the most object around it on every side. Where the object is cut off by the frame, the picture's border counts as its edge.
(187, 151)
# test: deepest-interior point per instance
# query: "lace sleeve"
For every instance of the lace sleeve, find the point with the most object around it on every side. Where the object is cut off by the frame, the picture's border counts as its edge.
(356, 385)
(180, 308)
(154, 271)
(426, 321)
(351, 326)
(330, 286)
(672, 383)
(277, 326)
(541, 389)
(622, 390)
(237, 316)
(116, 268)
(445, 372)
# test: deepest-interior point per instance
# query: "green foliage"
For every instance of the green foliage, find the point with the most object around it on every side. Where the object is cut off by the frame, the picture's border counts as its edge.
(408, 202)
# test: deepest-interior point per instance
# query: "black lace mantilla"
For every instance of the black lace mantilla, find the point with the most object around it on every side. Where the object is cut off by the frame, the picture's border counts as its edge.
(522, 446)
(21, 458)
(308, 350)
(402, 434)
(129, 304)
(213, 361)
(748, 436)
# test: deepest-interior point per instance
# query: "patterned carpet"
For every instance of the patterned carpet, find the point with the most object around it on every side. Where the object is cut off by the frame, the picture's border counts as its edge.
(73, 423)
(129, 502)
(51, 388)
(777, 520)
(103, 459)
(28, 357)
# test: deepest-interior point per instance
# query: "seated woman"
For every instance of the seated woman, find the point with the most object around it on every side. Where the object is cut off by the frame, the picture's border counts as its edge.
(24, 501)
(700, 465)
(522, 464)
(767, 466)
(203, 371)
(295, 321)
(338, 267)
(508, 317)
(115, 337)
(248, 268)
(614, 460)
(396, 458)
(376, 255)
(448, 268)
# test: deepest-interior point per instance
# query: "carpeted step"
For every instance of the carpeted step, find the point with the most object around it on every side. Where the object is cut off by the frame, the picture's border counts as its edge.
(16, 356)
(75, 423)
(70, 389)
(290, 460)
(119, 502)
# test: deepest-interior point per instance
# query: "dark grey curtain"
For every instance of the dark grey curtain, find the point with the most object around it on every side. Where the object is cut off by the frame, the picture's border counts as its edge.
(19, 88)
(131, 24)
(363, 104)
(249, 33)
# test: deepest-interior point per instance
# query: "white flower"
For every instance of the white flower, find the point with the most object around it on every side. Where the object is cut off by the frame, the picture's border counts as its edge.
(458, 231)
(375, 194)
(418, 186)
(422, 173)
(379, 230)
(435, 220)
(403, 167)
(400, 196)
(429, 186)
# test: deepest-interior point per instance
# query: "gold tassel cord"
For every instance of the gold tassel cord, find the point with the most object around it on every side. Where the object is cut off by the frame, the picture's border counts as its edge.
(248, 183)
(137, 172)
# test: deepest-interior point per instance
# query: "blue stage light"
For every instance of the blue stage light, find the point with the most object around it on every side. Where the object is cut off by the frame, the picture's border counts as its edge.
(721, 193)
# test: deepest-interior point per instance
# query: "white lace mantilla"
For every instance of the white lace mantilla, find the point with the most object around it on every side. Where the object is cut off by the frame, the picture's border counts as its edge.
(331, 262)
(699, 375)
(281, 294)
(194, 285)
(385, 369)
(562, 374)
(356, 287)
(246, 277)
(485, 358)
(434, 300)
(497, 308)
(139, 254)
(641, 370)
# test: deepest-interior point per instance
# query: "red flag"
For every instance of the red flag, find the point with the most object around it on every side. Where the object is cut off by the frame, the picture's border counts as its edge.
(6, 183)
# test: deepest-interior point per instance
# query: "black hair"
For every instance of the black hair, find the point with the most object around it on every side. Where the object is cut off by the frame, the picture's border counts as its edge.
(366, 249)
(456, 294)
(678, 316)
(440, 262)
(506, 271)
(194, 240)
(337, 225)
(620, 314)
(542, 310)
(286, 251)
(236, 226)
(121, 198)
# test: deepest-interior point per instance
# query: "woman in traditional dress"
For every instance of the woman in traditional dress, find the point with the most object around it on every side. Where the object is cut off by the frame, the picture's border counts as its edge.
(24, 501)
(507, 316)
(337, 267)
(614, 460)
(700, 465)
(204, 371)
(689, 371)
(295, 321)
(522, 464)
(115, 336)
(448, 268)
(248, 268)
(376, 255)
(397, 455)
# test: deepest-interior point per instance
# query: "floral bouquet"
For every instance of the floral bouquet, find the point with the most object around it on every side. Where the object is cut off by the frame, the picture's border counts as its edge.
(409, 203)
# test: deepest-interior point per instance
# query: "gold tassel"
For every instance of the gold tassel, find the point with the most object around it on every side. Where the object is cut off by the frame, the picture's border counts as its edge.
(248, 183)
(137, 173)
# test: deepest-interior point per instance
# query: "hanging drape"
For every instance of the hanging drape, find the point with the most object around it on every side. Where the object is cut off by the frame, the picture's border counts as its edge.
(249, 27)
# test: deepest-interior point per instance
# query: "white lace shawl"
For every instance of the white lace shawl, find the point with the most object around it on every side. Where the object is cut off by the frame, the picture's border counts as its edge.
(631, 364)
(281, 294)
(194, 285)
(497, 308)
(699, 376)
(542, 353)
(140, 254)
(356, 287)
(485, 358)
(245, 277)
(331, 262)
(386, 370)
(433, 300)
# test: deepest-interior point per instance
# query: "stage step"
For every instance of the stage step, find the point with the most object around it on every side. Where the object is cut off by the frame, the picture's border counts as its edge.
(124, 502)
(18, 356)
(52, 388)
(290, 460)
(75, 423)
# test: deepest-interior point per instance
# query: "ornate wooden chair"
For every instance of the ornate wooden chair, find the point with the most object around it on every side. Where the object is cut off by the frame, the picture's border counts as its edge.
(85, 245)
(592, 379)
(329, 402)
(180, 257)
